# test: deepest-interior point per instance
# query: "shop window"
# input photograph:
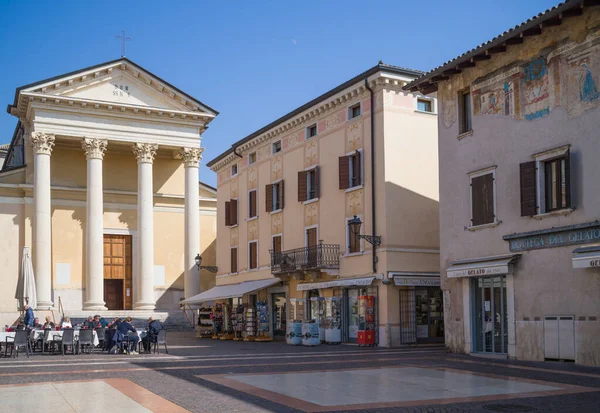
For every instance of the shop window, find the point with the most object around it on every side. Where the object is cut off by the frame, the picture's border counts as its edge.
(252, 204)
(274, 196)
(546, 182)
(354, 111)
(424, 105)
(277, 147)
(350, 170)
(464, 111)
(234, 260)
(311, 131)
(308, 184)
(483, 191)
(231, 218)
(313, 305)
(490, 315)
(253, 255)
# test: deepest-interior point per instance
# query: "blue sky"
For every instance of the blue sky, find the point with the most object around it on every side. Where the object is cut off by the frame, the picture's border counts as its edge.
(253, 61)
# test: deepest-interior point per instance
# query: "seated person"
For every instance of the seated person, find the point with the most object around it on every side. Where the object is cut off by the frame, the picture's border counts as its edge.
(154, 326)
(89, 323)
(48, 323)
(114, 323)
(66, 323)
(103, 322)
(96, 321)
(109, 342)
(36, 323)
(125, 327)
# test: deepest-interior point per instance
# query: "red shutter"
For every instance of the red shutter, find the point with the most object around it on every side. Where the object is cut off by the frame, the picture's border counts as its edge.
(234, 212)
(344, 172)
(358, 167)
(317, 182)
(227, 213)
(301, 186)
(528, 189)
(281, 195)
(269, 197)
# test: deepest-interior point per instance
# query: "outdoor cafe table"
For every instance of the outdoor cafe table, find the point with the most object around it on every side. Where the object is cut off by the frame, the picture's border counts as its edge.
(54, 335)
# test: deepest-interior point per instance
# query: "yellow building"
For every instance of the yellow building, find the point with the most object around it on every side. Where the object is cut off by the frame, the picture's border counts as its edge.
(287, 195)
(101, 181)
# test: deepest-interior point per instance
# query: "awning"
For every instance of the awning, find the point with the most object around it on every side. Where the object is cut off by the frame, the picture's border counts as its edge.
(481, 267)
(586, 257)
(222, 292)
(348, 282)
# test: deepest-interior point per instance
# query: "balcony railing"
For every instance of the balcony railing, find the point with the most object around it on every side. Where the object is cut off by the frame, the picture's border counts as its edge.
(317, 257)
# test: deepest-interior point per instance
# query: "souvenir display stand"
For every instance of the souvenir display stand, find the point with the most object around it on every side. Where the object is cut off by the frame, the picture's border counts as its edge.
(320, 303)
(294, 327)
(262, 308)
(217, 319)
(227, 324)
(333, 317)
(366, 325)
(250, 324)
(238, 320)
(205, 323)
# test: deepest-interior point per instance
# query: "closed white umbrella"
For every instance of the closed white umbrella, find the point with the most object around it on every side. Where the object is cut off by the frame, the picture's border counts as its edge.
(26, 293)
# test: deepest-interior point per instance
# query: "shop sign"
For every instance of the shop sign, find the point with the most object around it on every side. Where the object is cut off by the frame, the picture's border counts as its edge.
(336, 283)
(586, 262)
(417, 281)
(479, 272)
(554, 237)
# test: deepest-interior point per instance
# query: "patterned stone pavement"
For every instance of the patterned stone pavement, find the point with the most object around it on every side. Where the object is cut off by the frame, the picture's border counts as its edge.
(225, 376)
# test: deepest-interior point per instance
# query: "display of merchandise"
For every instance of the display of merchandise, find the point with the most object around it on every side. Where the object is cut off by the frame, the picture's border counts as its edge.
(319, 304)
(227, 324)
(250, 324)
(366, 325)
(205, 323)
(333, 320)
(310, 333)
(262, 309)
(238, 321)
(217, 319)
(297, 309)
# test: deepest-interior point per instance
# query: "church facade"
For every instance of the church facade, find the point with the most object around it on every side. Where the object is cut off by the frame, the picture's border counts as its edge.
(101, 181)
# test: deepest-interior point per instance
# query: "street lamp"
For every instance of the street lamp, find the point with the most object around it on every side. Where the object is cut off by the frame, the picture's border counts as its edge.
(355, 224)
(210, 268)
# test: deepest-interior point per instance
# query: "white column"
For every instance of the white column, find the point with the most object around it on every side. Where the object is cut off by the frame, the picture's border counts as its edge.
(42, 222)
(145, 153)
(94, 262)
(191, 278)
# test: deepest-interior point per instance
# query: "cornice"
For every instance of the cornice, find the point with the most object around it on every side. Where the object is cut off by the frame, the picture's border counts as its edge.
(317, 112)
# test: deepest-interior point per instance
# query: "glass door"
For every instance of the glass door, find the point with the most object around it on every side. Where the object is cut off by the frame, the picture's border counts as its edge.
(279, 315)
(491, 334)
(353, 316)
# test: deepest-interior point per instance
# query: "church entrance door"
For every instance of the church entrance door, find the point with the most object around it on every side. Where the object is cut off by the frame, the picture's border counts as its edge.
(118, 272)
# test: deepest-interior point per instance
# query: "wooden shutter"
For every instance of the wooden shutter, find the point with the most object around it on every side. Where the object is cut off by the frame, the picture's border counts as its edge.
(477, 201)
(568, 177)
(528, 189)
(353, 241)
(252, 204)
(311, 237)
(277, 244)
(269, 197)
(317, 182)
(301, 186)
(234, 260)
(281, 195)
(233, 219)
(253, 255)
(344, 172)
(227, 213)
(358, 168)
(488, 198)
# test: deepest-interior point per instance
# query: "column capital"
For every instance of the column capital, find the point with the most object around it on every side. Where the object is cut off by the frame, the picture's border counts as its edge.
(42, 143)
(145, 152)
(191, 156)
(94, 148)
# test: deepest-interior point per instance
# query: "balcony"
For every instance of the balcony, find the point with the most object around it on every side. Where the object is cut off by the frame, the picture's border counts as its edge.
(317, 257)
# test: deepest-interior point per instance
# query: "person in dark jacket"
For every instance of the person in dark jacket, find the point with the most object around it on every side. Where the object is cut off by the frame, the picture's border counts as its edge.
(103, 322)
(125, 327)
(29, 317)
(37, 324)
(154, 326)
(49, 323)
(89, 323)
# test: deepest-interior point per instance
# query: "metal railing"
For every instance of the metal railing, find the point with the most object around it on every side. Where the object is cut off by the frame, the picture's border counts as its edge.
(320, 256)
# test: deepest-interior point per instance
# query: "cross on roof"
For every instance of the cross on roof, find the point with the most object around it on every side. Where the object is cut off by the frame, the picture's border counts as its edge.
(123, 39)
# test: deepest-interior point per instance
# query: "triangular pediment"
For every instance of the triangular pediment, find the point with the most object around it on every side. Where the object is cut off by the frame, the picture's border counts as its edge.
(121, 82)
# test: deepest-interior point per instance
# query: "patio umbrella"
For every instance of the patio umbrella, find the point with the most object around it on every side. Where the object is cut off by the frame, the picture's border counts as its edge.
(26, 293)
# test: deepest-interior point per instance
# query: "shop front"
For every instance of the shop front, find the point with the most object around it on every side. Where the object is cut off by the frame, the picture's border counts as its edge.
(486, 279)
(421, 307)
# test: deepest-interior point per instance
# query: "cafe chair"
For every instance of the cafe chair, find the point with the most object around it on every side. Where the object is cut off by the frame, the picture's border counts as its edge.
(86, 339)
(21, 339)
(160, 339)
(68, 339)
(101, 332)
(47, 342)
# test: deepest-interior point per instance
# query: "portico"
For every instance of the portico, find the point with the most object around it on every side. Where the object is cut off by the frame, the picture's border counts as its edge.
(150, 134)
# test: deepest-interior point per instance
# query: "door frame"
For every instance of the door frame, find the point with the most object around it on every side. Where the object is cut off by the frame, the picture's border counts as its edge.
(134, 258)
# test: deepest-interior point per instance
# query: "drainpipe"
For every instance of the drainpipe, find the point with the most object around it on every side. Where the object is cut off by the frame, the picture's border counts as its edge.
(373, 210)
(235, 153)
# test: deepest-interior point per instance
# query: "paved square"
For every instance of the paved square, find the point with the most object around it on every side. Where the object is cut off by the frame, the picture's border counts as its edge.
(348, 387)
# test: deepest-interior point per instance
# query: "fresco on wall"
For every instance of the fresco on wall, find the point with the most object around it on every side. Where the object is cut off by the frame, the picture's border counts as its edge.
(582, 78)
(536, 89)
(497, 95)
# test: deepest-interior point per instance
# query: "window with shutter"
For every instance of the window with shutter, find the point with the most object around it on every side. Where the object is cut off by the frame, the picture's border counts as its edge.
(556, 176)
(353, 240)
(234, 267)
(253, 255)
(344, 172)
(269, 197)
(227, 213)
(358, 170)
(482, 199)
(233, 219)
(528, 189)
(317, 183)
(252, 210)
(281, 194)
(550, 179)
(277, 244)
(302, 186)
